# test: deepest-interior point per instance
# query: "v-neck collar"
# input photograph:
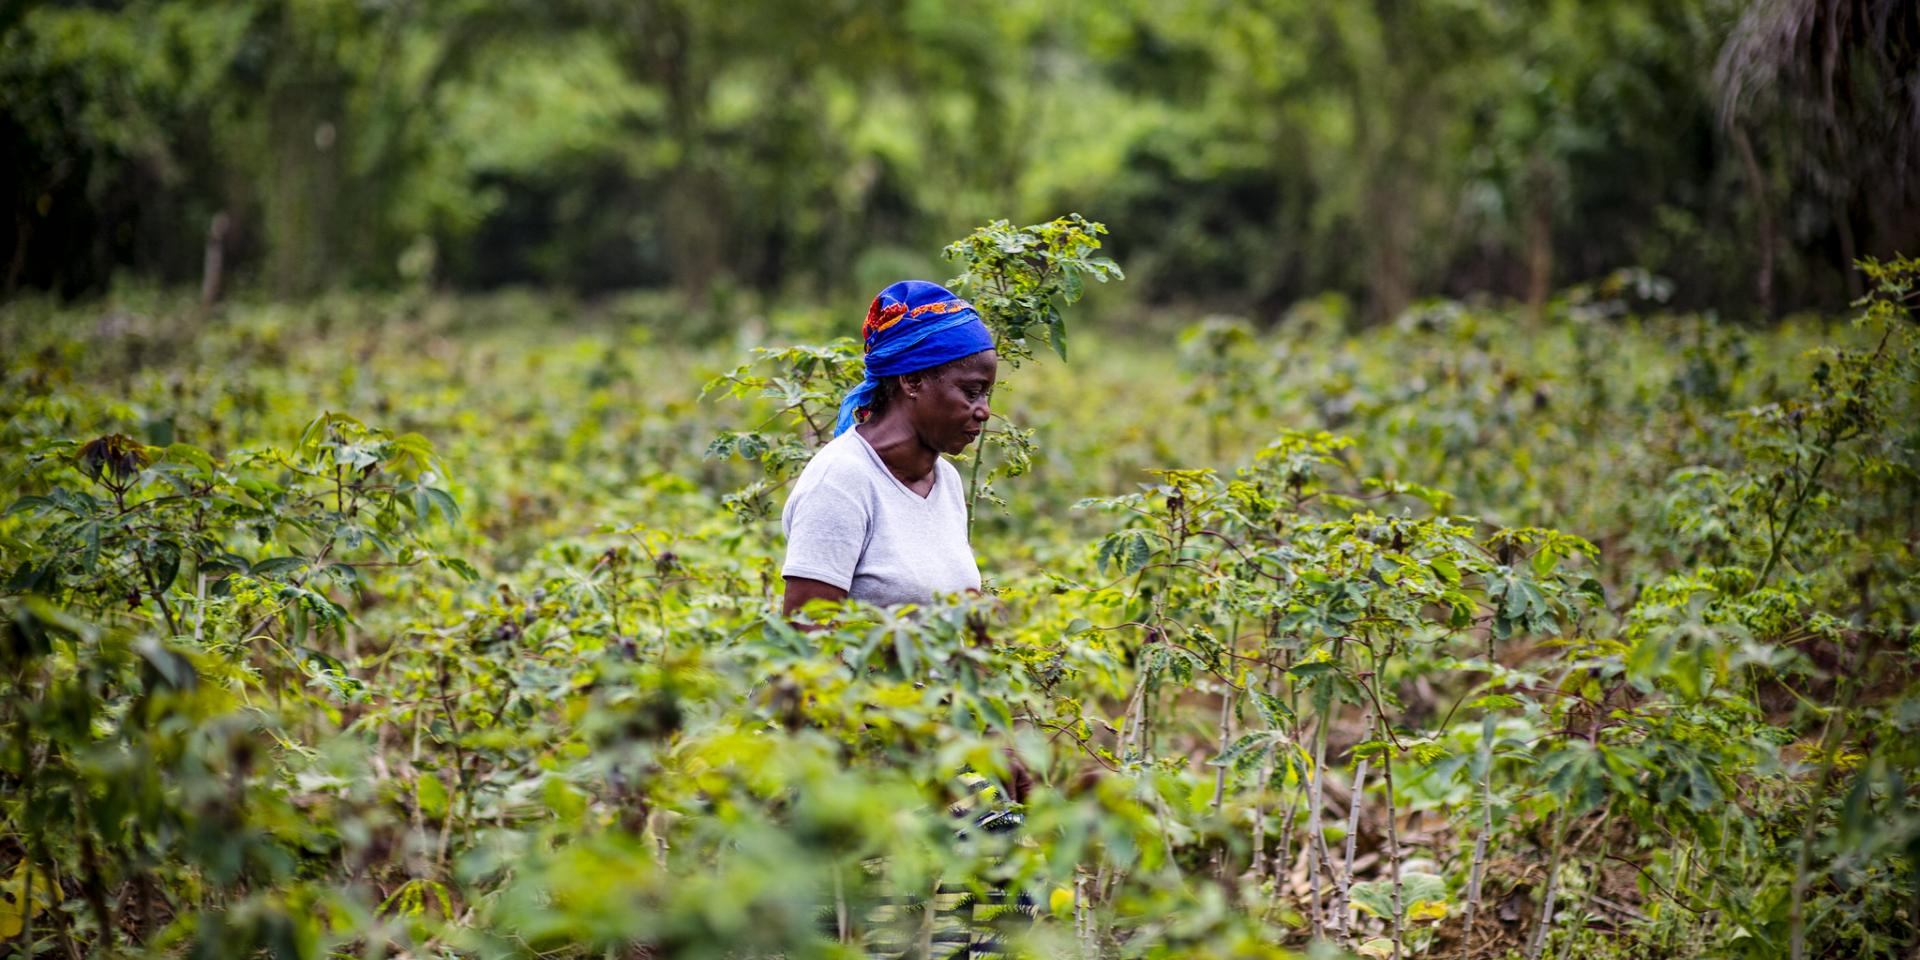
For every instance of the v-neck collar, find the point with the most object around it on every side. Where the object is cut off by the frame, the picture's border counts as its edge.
(881, 462)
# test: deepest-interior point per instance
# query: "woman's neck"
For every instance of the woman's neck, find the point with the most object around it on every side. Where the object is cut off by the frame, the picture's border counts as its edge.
(900, 449)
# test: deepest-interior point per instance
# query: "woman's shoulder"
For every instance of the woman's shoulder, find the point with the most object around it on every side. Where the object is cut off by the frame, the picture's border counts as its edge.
(832, 484)
(840, 461)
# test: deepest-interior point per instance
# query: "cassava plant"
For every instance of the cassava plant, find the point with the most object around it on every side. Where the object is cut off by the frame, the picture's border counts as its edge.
(1020, 279)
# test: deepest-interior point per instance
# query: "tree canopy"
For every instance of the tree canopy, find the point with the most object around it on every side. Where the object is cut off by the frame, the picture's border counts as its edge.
(1250, 152)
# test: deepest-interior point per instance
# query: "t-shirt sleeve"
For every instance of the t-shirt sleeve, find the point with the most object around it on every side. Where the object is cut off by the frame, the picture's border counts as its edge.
(827, 529)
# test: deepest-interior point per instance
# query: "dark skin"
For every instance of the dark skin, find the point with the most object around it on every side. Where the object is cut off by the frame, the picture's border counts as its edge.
(931, 412)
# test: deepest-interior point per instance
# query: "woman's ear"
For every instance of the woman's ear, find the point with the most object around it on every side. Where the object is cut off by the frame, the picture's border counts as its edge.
(912, 383)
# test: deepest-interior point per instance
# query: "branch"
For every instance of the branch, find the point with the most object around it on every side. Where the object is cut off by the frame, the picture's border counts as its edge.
(1086, 745)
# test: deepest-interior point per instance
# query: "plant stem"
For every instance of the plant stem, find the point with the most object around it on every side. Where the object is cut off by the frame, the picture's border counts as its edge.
(1148, 710)
(159, 597)
(973, 479)
(1284, 856)
(94, 884)
(63, 928)
(1260, 816)
(1580, 909)
(839, 904)
(1803, 860)
(1226, 722)
(1829, 443)
(1313, 823)
(1353, 831)
(1132, 721)
(1389, 812)
(1793, 514)
(1538, 941)
(1220, 775)
(1286, 827)
(200, 611)
(460, 788)
(1082, 923)
(1260, 809)
(26, 896)
(1834, 734)
(1487, 730)
(923, 941)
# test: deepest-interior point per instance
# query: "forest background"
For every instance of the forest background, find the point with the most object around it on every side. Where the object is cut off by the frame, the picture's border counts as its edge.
(1462, 500)
(1246, 154)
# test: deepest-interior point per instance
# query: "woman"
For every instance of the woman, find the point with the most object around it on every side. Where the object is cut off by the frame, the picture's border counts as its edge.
(878, 515)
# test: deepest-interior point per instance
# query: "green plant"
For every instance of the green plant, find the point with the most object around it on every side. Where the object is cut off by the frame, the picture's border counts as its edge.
(1353, 692)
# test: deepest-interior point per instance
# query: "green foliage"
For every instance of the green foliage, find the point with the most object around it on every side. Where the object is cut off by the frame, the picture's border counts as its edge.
(297, 686)
(803, 387)
(1253, 152)
(1020, 278)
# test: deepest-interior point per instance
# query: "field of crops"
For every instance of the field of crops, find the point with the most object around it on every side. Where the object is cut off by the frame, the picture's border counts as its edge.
(413, 625)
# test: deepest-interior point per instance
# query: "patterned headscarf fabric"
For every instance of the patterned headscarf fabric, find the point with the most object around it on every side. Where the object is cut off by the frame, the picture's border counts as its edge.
(912, 325)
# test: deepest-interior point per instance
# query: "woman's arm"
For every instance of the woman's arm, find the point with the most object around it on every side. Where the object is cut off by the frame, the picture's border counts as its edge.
(801, 589)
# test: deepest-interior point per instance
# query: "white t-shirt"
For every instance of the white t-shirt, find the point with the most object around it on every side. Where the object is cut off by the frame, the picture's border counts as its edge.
(851, 523)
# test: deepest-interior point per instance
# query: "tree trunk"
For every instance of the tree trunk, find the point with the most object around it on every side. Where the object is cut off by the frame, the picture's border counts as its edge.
(213, 268)
(1539, 236)
(1763, 219)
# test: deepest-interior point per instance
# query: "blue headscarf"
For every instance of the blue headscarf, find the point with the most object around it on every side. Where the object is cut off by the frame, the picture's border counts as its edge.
(912, 325)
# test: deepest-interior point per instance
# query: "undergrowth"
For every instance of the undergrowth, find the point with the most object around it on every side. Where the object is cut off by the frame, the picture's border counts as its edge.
(361, 628)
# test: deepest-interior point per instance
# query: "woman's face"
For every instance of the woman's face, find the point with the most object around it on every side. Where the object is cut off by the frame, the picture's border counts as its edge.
(949, 410)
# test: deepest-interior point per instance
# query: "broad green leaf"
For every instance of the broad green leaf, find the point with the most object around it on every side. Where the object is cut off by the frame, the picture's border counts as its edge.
(14, 907)
(430, 794)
